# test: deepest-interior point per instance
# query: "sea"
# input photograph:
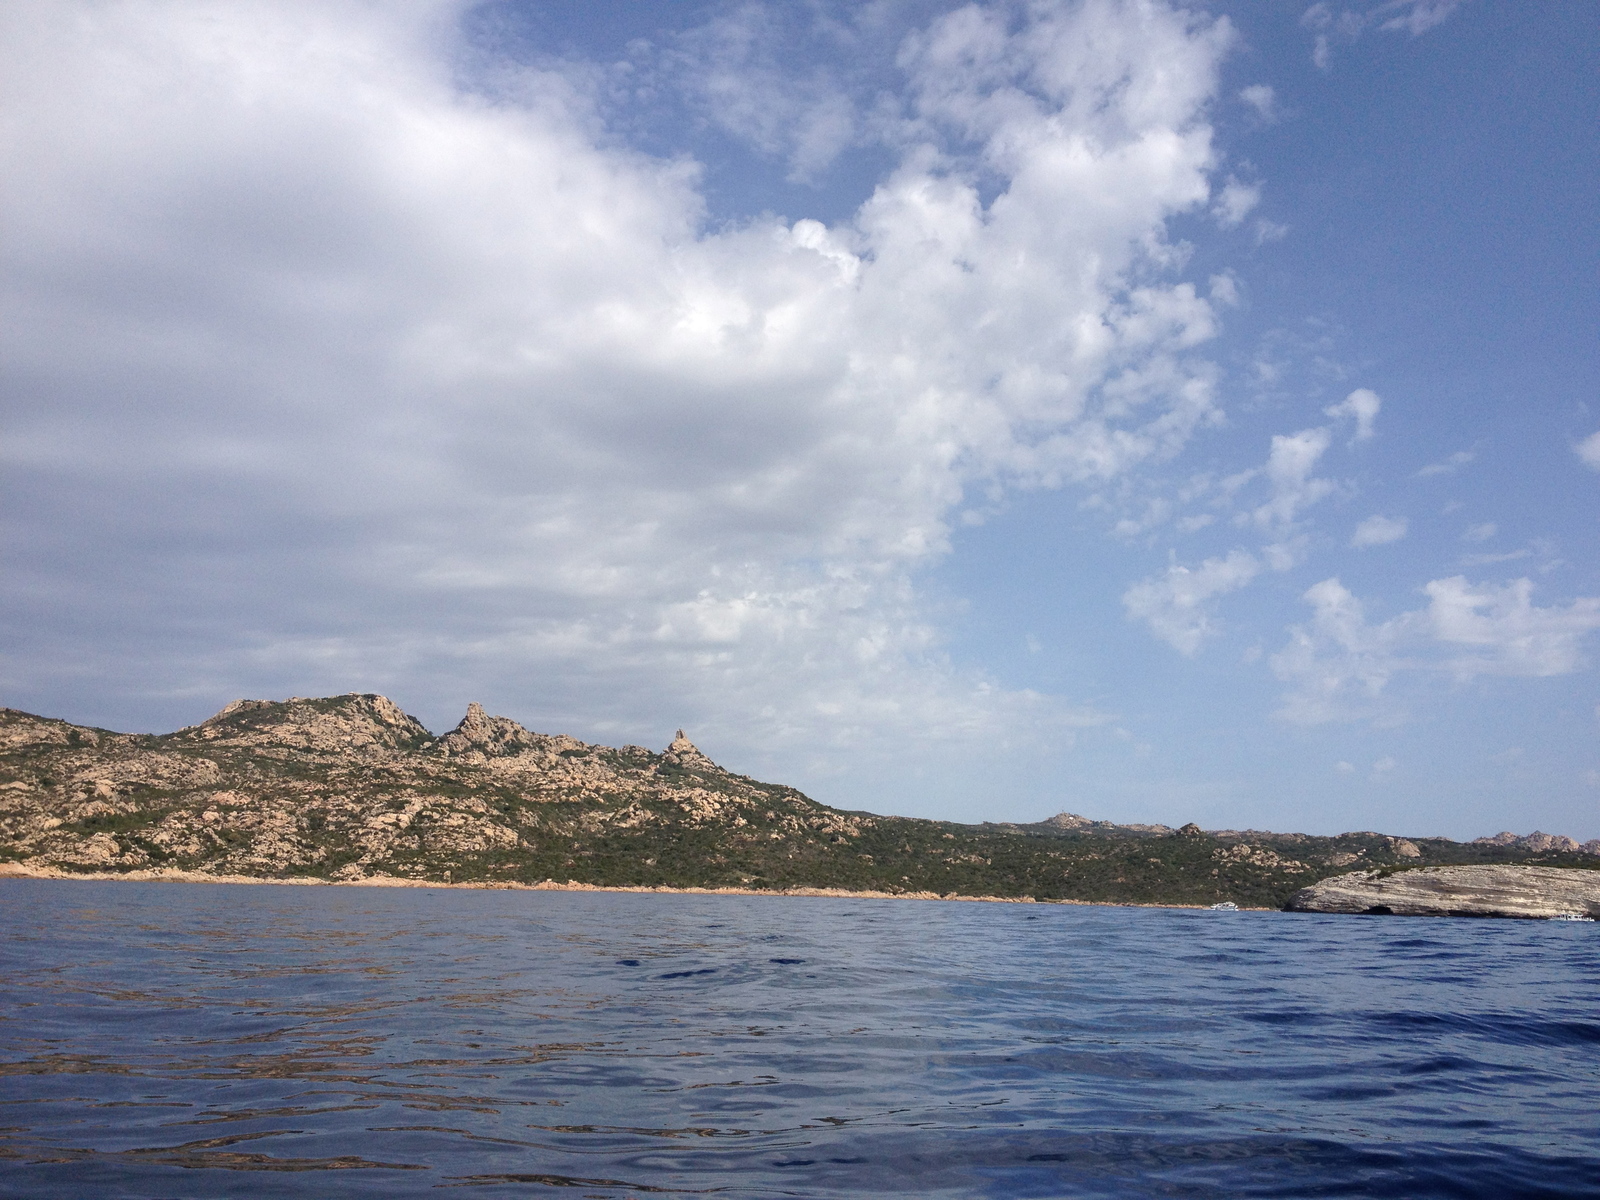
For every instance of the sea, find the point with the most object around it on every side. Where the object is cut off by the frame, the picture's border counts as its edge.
(163, 1041)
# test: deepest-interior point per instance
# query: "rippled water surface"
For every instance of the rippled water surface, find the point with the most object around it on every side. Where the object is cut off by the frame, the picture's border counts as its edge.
(214, 1041)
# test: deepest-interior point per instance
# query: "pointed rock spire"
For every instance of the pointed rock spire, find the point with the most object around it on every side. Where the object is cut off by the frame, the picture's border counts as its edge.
(475, 725)
(479, 731)
(684, 753)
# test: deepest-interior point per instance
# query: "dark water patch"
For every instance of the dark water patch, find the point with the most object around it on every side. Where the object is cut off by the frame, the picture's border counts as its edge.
(1512, 1028)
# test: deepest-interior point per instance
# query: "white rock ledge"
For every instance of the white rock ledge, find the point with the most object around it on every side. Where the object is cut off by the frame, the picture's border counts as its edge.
(1482, 890)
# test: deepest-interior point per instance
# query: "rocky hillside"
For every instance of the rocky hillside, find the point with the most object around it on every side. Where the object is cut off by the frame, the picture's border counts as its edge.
(351, 787)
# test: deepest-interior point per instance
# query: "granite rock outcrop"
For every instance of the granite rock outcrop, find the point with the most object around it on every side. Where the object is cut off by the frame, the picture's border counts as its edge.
(1473, 890)
(1540, 842)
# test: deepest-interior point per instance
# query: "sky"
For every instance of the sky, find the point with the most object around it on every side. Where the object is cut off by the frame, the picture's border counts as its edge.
(1152, 411)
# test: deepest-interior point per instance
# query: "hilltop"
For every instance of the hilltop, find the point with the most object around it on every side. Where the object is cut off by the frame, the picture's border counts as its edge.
(351, 787)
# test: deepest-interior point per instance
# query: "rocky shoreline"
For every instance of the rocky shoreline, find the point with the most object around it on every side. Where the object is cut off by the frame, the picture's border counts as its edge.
(25, 871)
(1479, 890)
(1510, 892)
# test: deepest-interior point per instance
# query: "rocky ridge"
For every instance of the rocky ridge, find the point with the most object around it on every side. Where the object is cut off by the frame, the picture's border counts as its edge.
(351, 788)
(1540, 842)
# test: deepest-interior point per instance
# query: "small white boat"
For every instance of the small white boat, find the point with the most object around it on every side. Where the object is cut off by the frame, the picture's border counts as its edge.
(1572, 917)
(1230, 906)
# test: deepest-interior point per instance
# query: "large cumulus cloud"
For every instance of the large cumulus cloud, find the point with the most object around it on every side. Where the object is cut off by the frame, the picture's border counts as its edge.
(340, 358)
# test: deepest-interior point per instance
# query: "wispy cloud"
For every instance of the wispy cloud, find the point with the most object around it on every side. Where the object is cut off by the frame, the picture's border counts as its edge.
(1449, 465)
(1177, 604)
(1333, 25)
(1588, 451)
(1338, 665)
(1361, 405)
(1379, 531)
(1289, 469)
(1235, 202)
(1485, 560)
(1261, 98)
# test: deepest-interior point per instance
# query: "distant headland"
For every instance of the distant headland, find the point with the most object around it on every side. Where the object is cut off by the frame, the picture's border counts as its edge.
(351, 789)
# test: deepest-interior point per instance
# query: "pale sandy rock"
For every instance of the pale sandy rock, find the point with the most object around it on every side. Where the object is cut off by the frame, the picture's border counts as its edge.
(487, 735)
(1537, 841)
(1478, 890)
(1072, 821)
(25, 729)
(361, 723)
(101, 850)
(1259, 856)
(1066, 820)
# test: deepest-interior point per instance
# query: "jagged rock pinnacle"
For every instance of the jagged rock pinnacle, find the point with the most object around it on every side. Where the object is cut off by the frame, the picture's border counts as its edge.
(479, 731)
(684, 753)
(476, 723)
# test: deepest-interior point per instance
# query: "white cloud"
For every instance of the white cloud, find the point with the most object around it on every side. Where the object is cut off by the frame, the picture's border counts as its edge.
(1488, 560)
(1270, 231)
(1379, 531)
(1499, 631)
(1361, 404)
(1344, 768)
(1480, 533)
(1415, 17)
(1285, 554)
(1346, 25)
(366, 380)
(1177, 604)
(1338, 665)
(1289, 465)
(1589, 450)
(1262, 98)
(1157, 512)
(1450, 465)
(1234, 202)
(737, 71)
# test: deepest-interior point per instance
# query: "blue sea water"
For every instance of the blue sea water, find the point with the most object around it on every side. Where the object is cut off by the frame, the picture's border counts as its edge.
(174, 1041)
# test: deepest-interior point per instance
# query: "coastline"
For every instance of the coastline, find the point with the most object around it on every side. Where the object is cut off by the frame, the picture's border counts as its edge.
(14, 870)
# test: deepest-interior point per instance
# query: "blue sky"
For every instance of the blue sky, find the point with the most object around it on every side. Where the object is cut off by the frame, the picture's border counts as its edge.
(1154, 412)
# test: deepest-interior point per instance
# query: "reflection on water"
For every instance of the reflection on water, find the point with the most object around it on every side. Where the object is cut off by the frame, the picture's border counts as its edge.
(200, 1041)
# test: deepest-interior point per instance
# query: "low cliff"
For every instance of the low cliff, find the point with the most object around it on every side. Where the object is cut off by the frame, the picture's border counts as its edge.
(1479, 890)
